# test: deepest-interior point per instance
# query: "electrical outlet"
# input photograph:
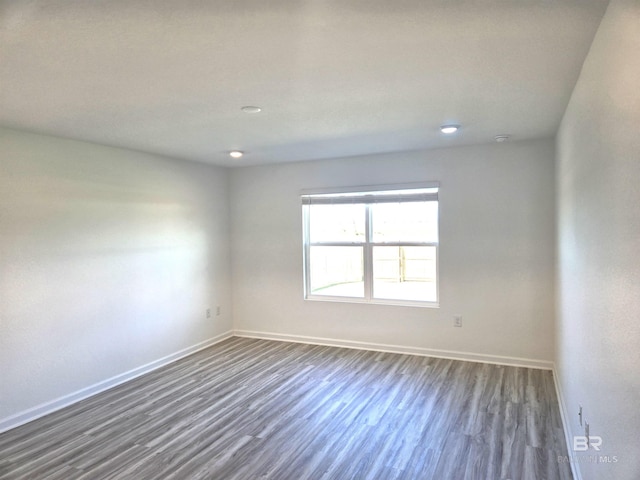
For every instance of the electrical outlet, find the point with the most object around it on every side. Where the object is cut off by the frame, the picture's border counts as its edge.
(218, 311)
(457, 320)
(208, 313)
(580, 415)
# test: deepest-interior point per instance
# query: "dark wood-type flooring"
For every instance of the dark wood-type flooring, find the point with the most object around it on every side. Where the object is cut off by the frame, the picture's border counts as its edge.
(254, 409)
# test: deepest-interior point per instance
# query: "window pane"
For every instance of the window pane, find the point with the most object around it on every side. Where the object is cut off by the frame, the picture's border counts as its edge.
(405, 273)
(405, 222)
(337, 223)
(337, 271)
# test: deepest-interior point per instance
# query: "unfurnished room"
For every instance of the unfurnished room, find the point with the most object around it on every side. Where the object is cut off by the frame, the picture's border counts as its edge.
(320, 239)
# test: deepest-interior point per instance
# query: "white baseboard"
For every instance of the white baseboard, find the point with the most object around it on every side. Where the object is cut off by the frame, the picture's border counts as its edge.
(380, 347)
(59, 403)
(575, 467)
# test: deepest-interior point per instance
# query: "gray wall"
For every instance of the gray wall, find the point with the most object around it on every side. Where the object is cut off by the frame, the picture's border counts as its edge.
(108, 260)
(598, 175)
(496, 257)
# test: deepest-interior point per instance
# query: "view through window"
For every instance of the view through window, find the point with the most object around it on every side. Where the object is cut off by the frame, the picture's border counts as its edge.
(376, 246)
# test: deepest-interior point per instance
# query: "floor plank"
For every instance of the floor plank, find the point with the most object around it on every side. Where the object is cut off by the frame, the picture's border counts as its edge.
(256, 409)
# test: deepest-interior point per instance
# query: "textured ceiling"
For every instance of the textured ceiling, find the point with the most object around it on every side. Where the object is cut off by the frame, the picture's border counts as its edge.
(334, 77)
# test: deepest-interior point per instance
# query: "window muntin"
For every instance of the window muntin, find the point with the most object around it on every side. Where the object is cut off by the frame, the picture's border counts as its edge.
(378, 246)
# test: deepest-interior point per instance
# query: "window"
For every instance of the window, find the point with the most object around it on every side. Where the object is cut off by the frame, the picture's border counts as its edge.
(378, 246)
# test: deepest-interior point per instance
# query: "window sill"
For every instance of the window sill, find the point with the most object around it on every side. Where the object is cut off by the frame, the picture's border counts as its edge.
(362, 301)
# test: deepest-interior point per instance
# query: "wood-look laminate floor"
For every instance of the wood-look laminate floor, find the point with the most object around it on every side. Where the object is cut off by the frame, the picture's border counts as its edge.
(255, 409)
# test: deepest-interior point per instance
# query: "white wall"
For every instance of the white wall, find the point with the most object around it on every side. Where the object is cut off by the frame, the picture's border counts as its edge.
(496, 256)
(598, 328)
(108, 260)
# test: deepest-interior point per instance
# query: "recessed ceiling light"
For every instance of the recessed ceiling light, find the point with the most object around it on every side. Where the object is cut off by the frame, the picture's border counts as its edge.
(448, 129)
(501, 138)
(236, 154)
(251, 109)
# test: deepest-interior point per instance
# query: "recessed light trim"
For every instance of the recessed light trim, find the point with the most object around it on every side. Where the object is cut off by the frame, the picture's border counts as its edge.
(236, 154)
(449, 129)
(251, 109)
(501, 138)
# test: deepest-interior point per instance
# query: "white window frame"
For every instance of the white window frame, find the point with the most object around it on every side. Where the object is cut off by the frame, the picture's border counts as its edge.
(367, 245)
